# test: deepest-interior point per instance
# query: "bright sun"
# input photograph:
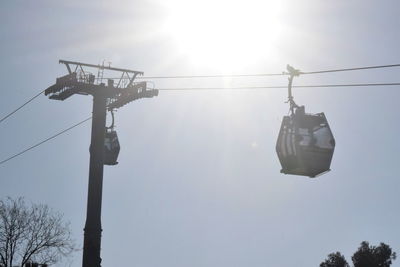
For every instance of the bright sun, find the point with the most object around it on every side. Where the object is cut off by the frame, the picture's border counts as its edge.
(224, 33)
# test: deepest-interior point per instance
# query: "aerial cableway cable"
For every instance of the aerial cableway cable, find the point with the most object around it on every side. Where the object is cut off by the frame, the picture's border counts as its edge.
(278, 87)
(44, 141)
(236, 76)
(23, 105)
(208, 88)
(213, 76)
(261, 74)
(350, 69)
(269, 74)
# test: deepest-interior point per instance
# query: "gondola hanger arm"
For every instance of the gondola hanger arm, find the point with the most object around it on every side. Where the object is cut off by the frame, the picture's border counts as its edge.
(292, 72)
(112, 120)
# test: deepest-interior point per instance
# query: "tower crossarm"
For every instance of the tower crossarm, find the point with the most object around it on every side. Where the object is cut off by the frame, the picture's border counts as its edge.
(131, 93)
(80, 64)
(79, 80)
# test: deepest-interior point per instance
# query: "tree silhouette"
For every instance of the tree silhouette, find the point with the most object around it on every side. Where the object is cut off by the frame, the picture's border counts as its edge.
(31, 233)
(365, 256)
(335, 260)
(371, 256)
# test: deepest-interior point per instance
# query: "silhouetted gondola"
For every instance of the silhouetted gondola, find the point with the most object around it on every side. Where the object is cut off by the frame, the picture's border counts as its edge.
(111, 147)
(305, 143)
(111, 144)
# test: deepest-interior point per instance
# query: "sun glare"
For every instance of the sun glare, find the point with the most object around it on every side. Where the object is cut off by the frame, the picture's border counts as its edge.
(224, 33)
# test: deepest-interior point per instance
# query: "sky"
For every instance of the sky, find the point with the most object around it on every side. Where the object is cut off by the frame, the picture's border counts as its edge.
(198, 181)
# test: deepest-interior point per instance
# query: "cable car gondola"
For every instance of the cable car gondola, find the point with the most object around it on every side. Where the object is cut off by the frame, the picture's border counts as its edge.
(111, 144)
(305, 142)
(111, 147)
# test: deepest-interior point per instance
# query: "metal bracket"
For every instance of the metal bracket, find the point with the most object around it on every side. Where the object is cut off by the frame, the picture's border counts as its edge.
(292, 73)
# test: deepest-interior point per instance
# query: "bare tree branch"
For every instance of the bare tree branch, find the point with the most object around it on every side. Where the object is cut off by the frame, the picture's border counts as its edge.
(32, 233)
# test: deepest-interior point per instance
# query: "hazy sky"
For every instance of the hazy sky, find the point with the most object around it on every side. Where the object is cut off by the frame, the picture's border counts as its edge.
(198, 181)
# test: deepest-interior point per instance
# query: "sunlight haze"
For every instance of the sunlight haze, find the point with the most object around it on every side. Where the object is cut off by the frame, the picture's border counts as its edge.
(198, 182)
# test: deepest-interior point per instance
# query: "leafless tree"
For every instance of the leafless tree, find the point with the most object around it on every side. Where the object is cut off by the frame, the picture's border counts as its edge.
(32, 233)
